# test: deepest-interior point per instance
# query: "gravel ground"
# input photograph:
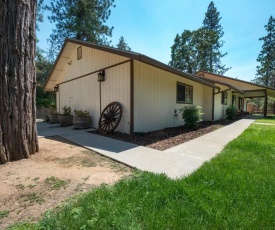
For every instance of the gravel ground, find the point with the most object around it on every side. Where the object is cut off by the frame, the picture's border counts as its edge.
(169, 137)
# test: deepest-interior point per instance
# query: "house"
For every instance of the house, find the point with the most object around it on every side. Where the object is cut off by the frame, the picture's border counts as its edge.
(149, 91)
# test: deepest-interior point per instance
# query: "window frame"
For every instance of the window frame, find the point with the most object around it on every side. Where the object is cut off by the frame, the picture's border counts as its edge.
(224, 98)
(185, 93)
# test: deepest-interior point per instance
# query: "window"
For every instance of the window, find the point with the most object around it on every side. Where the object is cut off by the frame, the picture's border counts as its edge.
(224, 98)
(184, 93)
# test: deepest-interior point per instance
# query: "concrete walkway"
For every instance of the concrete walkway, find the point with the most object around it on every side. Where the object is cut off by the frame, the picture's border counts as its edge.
(175, 162)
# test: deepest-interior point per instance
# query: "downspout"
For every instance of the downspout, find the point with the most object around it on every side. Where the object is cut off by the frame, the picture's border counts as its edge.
(213, 104)
(132, 129)
(99, 98)
(59, 101)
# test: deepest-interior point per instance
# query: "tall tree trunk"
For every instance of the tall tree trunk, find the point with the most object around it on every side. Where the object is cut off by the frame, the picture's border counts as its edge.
(18, 132)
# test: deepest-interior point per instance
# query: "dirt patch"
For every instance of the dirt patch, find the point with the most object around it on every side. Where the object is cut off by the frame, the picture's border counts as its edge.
(60, 170)
(169, 137)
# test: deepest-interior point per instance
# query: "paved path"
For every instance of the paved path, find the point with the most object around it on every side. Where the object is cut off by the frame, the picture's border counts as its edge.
(175, 162)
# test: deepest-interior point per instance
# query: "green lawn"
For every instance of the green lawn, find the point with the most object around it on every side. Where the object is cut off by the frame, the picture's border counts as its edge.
(266, 120)
(236, 190)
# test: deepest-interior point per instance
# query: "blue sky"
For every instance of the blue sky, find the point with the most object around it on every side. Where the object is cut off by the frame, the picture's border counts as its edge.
(150, 26)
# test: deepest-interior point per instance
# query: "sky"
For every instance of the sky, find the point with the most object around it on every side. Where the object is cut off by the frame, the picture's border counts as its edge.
(150, 26)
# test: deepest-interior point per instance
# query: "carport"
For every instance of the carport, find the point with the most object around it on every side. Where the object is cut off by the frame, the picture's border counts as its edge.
(260, 93)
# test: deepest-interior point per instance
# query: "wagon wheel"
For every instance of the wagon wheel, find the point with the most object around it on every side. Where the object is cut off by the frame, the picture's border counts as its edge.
(110, 117)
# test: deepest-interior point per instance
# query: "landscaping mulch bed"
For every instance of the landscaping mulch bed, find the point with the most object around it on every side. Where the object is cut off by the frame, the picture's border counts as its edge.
(169, 137)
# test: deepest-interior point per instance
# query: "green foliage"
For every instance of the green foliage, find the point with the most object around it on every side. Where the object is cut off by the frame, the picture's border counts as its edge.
(83, 20)
(189, 52)
(53, 111)
(217, 196)
(66, 111)
(4, 213)
(44, 99)
(231, 112)
(122, 44)
(200, 49)
(81, 113)
(55, 183)
(266, 69)
(43, 67)
(39, 13)
(211, 23)
(191, 115)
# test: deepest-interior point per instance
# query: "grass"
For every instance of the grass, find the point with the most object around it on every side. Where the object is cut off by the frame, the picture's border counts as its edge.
(4, 213)
(55, 183)
(33, 197)
(270, 120)
(233, 191)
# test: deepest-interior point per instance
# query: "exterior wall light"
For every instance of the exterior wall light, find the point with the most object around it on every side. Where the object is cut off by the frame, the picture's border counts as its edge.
(55, 89)
(101, 76)
(70, 62)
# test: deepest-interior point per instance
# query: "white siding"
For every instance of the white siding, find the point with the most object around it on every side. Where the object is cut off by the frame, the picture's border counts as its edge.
(208, 103)
(92, 60)
(84, 93)
(116, 87)
(155, 97)
(219, 108)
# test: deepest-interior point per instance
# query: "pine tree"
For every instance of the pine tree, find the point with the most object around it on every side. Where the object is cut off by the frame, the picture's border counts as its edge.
(80, 19)
(18, 132)
(122, 44)
(189, 52)
(211, 23)
(266, 58)
(200, 49)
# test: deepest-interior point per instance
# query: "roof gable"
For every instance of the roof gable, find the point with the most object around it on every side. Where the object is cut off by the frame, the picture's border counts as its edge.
(70, 45)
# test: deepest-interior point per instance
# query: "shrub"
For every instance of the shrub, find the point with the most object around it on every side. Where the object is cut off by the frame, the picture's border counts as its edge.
(53, 111)
(231, 112)
(66, 111)
(81, 113)
(191, 115)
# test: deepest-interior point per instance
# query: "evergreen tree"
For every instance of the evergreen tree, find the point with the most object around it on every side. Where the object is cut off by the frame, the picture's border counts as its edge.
(266, 58)
(79, 19)
(122, 44)
(43, 67)
(200, 49)
(189, 52)
(211, 23)
(18, 131)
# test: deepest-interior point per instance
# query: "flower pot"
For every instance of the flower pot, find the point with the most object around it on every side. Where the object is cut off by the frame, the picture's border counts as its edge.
(65, 120)
(53, 118)
(82, 122)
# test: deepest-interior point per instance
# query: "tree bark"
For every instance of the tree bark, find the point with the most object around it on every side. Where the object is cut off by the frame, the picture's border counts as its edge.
(18, 131)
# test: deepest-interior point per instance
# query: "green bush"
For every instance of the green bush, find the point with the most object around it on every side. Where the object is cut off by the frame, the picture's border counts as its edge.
(66, 111)
(44, 99)
(231, 112)
(191, 115)
(81, 113)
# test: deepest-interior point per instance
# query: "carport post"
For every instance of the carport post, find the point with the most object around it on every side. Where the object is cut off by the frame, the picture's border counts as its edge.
(265, 104)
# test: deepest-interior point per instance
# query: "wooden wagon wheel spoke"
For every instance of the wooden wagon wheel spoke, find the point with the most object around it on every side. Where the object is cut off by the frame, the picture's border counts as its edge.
(110, 117)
